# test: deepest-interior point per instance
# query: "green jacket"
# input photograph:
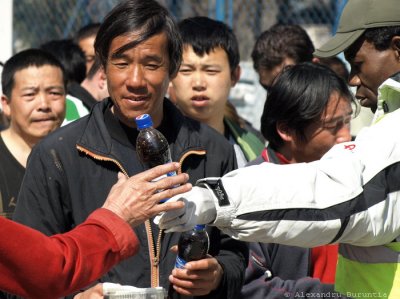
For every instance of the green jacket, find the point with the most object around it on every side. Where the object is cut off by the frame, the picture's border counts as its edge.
(248, 141)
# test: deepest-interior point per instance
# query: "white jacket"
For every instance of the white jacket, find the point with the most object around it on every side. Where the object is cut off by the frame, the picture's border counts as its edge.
(350, 196)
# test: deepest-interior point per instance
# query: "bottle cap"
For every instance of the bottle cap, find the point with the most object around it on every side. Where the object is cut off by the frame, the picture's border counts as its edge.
(199, 226)
(143, 121)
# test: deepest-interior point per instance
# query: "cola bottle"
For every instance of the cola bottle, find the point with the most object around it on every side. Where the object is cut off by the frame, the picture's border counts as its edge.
(193, 245)
(151, 146)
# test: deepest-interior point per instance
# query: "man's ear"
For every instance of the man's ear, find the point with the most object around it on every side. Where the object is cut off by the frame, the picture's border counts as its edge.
(102, 79)
(315, 60)
(395, 44)
(171, 94)
(284, 131)
(235, 76)
(5, 103)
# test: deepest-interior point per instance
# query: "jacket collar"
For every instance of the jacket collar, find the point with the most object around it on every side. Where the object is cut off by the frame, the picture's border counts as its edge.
(180, 131)
(388, 97)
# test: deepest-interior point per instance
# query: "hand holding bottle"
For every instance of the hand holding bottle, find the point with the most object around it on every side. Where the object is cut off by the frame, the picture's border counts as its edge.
(198, 278)
(137, 198)
(151, 146)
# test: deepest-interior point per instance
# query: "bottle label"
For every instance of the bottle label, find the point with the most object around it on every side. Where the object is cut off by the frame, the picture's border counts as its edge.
(180, 263)
(171, 173)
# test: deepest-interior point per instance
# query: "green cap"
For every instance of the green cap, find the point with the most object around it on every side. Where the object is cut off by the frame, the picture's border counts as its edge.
(357, 16)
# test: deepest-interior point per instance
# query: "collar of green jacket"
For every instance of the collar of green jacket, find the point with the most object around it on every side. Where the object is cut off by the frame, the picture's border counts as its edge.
(388, 97)
(250, 144)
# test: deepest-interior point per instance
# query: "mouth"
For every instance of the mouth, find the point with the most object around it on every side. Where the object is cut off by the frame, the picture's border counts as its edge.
(364, 101)
(44, 120)
(137, 98)
(200, 101)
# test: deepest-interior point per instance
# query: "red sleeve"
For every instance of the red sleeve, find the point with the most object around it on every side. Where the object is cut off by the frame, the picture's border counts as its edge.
(323, 261)
(30, 262)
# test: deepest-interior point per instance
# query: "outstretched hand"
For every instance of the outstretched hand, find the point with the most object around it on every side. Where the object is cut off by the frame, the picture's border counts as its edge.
(199, 208)
(137, 198)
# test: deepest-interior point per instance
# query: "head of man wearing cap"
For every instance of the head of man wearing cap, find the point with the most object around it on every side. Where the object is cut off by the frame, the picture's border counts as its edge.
(369, 36)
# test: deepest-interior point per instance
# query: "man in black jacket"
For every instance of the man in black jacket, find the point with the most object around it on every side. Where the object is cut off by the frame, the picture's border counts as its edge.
(71, 172)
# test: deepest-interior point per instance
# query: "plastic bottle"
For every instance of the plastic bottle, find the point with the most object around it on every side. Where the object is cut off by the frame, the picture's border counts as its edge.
(193, 245)
(151, 146)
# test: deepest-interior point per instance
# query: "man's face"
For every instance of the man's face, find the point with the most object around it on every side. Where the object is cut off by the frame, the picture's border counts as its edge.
(138, 77)
(369, 68)
(37, 104)
(87, 46)
(267, 76)
(203, 83)
(332, 128)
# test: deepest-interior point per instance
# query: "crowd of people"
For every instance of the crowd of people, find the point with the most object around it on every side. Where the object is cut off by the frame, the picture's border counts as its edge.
(298, 209)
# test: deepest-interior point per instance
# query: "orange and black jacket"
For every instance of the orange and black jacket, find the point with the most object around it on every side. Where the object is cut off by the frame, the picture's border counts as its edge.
(70, 173)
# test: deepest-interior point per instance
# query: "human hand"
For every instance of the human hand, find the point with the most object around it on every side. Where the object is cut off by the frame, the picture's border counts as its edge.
(138, 198)
(198, 278)
(95, 292)
(199, 209)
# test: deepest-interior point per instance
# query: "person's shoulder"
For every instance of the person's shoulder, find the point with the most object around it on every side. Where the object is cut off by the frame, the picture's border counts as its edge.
(210, 135)
(67, 134)
(74, 130)
(200, 135)
(195, 132)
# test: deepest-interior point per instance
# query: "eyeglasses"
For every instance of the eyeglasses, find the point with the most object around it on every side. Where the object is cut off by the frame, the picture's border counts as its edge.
(335, 124)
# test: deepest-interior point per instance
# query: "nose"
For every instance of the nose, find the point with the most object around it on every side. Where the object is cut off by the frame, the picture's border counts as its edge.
(44, 101)
(136, 78)
(343, 134)
(354, 79)
(198, 82)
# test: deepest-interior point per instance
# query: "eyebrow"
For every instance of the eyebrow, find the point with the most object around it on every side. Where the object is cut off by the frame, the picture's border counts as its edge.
(120, 55)
(47, 87)
(30, 87)
(202, 64)
(156, 58)
(55, 87)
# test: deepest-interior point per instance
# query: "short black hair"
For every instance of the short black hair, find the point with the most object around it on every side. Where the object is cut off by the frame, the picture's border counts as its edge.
(279, 42)
(86, 31)
(380, 37)
(23, 60)
(298, 98)
(94, 68)
(145, 17)
(205, 34)
(71, 57)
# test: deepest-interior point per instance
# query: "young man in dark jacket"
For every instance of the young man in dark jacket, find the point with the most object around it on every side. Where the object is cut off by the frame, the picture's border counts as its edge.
(210, 69)
(71, 172)
(308, 110)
